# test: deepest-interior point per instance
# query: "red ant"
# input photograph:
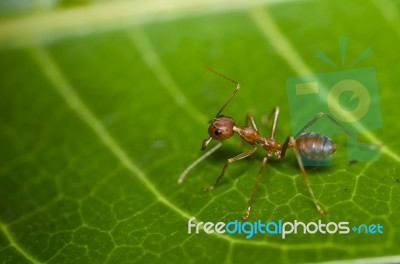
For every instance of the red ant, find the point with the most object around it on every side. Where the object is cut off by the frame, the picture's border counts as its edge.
(310, 145)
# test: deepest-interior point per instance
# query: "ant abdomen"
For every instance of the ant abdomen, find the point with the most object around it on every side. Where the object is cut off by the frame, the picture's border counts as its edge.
(315, 146)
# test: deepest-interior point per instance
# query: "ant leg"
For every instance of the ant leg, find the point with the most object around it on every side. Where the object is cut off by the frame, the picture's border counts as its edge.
(197, 161)
(274, 112)
(316, 118)
(229, 161)
(249, 117)
(254, 189)
(291, 142)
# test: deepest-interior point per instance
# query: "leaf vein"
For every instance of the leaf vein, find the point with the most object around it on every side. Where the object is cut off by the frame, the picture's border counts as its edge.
(75, 102)
(152, 60)
(14, 244)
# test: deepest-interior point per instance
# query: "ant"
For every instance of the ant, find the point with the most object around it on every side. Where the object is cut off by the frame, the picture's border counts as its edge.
(310, 145)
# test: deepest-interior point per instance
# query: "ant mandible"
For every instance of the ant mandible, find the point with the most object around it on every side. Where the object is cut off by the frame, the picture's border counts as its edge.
(310, 145)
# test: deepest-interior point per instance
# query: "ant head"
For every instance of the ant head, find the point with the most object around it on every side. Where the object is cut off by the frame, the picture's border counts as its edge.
(220, 128)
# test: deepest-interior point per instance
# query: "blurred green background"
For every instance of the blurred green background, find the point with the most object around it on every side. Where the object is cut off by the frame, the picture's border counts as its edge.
(104, 103)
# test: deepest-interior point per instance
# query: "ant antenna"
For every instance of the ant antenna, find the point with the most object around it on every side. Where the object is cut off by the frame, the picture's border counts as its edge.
(226, 78)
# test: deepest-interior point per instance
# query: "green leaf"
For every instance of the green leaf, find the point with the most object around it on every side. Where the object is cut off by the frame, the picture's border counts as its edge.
(103, 105)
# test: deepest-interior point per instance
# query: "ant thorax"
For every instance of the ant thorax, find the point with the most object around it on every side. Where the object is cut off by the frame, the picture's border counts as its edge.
(248, 134)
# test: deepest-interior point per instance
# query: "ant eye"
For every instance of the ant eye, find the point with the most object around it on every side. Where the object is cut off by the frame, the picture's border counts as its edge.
(217, 132)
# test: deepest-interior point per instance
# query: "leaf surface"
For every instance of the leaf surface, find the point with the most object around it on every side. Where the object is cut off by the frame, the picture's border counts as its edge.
(99, 119)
